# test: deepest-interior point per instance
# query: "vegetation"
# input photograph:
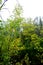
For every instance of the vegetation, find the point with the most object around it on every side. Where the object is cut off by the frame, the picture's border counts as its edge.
(21, 41)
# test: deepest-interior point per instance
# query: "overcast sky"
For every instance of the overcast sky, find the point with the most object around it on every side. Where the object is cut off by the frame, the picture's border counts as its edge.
(32, 8)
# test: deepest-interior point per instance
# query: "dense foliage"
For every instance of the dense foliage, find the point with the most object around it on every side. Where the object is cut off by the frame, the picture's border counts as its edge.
(21, 41)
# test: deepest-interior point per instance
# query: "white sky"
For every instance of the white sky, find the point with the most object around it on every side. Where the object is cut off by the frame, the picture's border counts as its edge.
(32, 8)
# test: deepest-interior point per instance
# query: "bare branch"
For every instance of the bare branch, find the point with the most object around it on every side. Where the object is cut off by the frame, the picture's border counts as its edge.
(3, 4)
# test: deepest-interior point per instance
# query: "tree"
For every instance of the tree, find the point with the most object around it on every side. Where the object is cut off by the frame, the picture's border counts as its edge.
(20, 47)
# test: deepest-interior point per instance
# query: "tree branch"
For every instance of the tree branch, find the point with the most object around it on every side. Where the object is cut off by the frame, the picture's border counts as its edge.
(2, 4)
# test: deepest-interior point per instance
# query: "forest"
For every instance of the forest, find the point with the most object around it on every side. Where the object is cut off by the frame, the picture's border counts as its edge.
(21, 39)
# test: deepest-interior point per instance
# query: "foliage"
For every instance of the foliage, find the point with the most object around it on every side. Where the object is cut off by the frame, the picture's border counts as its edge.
(0, 1)
(21, 47)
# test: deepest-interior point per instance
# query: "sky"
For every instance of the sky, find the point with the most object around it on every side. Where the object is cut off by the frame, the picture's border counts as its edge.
(31, 8)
